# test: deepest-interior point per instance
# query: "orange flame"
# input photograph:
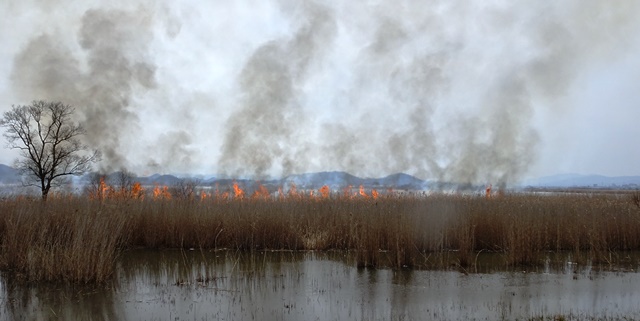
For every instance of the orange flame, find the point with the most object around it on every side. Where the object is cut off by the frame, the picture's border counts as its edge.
(104, 188)
(161, 193)
(165, 193)
(293, 190)
(362, 192)
(324, 191)
(156, 192)
(374, 194)
(137, 191)
(238, 192)
(488, 191)
(102, 192)
(261, 192)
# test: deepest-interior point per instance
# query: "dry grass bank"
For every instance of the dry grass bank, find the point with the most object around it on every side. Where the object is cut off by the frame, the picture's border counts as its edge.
(77, 240)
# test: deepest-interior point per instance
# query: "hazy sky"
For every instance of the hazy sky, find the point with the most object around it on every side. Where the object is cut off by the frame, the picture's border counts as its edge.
(489, 92)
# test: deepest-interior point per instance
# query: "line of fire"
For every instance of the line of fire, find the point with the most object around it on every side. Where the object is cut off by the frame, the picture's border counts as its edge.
(191, 190)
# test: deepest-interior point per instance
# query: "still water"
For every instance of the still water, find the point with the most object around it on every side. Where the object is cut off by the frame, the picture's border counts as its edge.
(225, 285)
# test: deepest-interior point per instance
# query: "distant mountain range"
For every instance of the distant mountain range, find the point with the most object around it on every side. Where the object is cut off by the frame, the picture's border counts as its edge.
(9, 175)
(336, 180)
(578, 180)
(308, 181)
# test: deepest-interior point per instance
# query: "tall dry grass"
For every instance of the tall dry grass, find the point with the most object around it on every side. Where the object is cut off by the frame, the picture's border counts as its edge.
(60, 240)
(78, 240)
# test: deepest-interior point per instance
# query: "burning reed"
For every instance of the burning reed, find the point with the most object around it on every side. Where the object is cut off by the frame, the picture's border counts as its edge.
(76, 239)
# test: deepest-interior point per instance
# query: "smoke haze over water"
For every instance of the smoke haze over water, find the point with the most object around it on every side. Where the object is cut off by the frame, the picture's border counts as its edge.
(442, 90)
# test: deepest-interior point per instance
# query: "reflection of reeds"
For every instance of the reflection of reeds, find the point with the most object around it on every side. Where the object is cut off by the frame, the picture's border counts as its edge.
(74, 239)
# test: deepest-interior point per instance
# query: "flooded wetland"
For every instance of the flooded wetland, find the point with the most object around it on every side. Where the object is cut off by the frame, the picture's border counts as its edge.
(319, 160)
(284, 285)
(326, 257)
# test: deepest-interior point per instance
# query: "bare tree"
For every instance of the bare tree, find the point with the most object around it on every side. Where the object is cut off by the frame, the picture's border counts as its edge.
(185, 189)
(123, 181)
(126, 186)
(48, 141)
(96, 187)
(120, 185)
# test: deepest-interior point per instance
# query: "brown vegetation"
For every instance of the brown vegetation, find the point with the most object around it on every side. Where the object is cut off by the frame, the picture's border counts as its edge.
(77, 239)
(67, 239)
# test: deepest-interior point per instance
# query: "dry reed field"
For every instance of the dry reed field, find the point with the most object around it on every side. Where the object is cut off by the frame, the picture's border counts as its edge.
(78, 239)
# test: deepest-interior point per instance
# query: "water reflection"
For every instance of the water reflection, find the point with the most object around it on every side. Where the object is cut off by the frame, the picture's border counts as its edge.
(226, 285)
(48, 302)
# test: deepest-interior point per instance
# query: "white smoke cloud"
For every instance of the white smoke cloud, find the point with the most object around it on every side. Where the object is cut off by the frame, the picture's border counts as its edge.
(486, 92)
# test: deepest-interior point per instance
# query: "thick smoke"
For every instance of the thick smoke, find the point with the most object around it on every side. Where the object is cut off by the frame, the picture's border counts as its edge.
(100, 78)
(444, 90)
(262, 134)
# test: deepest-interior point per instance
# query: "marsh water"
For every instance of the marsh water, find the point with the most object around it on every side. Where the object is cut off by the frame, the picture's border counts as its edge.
(228, 285)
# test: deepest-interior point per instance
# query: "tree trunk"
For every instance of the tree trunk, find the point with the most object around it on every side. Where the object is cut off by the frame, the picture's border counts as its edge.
(45, 190)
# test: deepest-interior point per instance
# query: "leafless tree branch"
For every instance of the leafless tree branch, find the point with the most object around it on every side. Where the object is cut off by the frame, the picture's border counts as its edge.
(48, 142)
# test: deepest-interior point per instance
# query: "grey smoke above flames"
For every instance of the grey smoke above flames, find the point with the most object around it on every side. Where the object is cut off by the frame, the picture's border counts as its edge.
(444, 90)
(102, 84)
